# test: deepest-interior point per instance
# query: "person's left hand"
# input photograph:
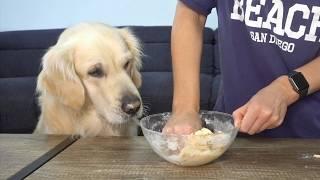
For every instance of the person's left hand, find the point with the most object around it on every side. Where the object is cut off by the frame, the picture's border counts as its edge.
(266, 109)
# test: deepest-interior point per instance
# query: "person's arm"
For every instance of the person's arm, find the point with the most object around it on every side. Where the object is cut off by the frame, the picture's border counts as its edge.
(267, 109)
(311, 72)
(186, 48)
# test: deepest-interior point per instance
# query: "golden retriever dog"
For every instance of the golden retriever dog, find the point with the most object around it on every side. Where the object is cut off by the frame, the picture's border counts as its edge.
(88, 83)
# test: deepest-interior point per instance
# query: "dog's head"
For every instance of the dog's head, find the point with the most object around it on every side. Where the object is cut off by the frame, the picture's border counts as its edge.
(95, 66)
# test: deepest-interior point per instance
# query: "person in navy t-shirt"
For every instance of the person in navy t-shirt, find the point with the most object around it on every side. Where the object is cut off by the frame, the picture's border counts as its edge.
(270, 64)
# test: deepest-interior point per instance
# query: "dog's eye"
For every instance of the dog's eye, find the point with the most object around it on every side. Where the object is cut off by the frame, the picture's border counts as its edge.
(126, 65)
(96, 72)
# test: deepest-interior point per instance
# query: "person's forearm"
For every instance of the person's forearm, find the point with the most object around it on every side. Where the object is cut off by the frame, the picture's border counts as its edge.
(311, 72)
(186, 49)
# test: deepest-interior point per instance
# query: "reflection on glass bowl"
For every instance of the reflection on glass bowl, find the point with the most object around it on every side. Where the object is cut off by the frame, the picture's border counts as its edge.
(195, 149)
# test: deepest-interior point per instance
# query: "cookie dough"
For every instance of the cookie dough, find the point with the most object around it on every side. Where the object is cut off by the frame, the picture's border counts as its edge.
(202, 147)
(316, 155)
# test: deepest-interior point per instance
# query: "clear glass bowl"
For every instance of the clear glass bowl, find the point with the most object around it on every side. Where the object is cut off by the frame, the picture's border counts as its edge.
(190, 150)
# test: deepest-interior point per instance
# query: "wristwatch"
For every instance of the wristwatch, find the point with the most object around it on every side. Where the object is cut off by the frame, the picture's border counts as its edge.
(299, 83)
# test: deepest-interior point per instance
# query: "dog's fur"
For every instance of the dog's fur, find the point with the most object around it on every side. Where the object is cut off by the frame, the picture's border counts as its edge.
(78, 99)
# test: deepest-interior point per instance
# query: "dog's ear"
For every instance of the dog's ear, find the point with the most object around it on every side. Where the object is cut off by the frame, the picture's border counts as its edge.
(58, 78)
(134, 47)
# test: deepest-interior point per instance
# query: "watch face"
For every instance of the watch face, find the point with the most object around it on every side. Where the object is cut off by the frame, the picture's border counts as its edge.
(299, 81)
(294, 85)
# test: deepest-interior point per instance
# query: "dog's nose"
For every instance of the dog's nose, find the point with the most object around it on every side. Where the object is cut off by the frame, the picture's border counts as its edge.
(130, 104)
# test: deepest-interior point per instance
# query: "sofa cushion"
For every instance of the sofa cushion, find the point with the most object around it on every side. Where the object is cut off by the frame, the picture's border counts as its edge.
(157, 94)
(157, 58)
(18, 108)
(20, 62)
(21, 51)
(29, 39)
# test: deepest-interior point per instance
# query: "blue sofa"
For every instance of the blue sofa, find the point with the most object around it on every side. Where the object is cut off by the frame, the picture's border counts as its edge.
(20, 57)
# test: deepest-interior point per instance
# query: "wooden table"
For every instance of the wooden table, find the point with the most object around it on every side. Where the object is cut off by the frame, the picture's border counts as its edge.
(17, 151)
(132, 158)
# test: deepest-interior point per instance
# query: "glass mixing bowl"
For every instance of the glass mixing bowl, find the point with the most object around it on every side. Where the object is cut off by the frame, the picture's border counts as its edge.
(195, 149)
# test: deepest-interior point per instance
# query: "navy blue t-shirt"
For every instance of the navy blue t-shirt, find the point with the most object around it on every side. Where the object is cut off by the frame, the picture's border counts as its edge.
(260, 40)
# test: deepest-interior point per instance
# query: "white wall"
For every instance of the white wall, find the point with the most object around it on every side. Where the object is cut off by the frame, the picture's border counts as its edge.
(47, 14)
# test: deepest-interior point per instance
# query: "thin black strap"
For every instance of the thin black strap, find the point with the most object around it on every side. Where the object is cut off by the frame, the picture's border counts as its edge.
(36, 164)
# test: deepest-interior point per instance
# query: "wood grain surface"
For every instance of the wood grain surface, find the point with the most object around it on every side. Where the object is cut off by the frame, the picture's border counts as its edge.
(17, 151)
(132, 158)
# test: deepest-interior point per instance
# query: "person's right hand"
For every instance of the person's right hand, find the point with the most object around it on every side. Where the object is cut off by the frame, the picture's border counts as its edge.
(183, 123)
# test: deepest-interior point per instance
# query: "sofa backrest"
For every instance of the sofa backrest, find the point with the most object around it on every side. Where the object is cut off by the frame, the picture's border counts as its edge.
(20, 59)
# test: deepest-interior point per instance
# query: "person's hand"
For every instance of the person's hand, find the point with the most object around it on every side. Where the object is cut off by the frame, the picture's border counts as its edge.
(266, 109)
(183, 123)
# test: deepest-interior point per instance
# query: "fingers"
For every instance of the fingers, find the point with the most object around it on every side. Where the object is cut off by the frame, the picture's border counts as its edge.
(256, 127)
(270, 124)
(264, 110)
(183, 124)
(182, 129)
(264, 126)
(238, 116)
(274, 121)
(246, 119)
(167, 130)
(262, 119)
(252, 119)
(249, 119)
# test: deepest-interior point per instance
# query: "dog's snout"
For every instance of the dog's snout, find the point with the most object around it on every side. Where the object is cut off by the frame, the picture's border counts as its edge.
(130, 104)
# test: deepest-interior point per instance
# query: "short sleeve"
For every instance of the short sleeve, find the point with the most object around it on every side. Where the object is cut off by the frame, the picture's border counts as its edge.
(203, 7)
